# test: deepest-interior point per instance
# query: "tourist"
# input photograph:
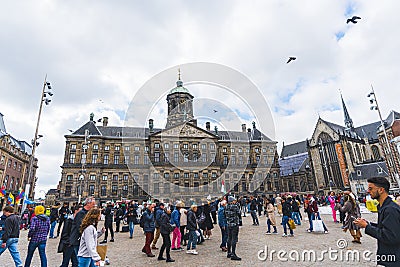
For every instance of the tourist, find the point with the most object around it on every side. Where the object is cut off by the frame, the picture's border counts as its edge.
(223, 225)
(332, 204)
(119, 215)
(64, 245)
(233, 220)
(387, 230)
(192, 228)
(279, 204)
(208, 224)
(286, 215)
(253, 210)
(108, 222)
(295, 210)
(87, 254)
(312, 208)
(62, 216)
(10, 236)
(270, 217)
(148, 228)
(352, 211)
(53, 219)
(176, 234)
(157, 215)
(37, 236)
(75, 236)
(165, 230)
(183, 222)
(131, 218)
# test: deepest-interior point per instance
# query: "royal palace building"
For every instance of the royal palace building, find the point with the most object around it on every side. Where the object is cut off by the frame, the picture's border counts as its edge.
(180, 162)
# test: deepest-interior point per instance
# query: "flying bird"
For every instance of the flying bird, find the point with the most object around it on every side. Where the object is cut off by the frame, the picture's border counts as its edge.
(215, 111)
(70, 130)
(290, 59)
(353, 19)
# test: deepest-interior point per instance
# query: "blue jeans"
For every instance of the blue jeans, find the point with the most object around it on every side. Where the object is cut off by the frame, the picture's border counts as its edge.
(285, 222)
(224, 235)
(313, 217)
(69, 254)
(296, 217)
(52, 226)
(192, 242)
(85, 262)
(42, 253)
(12, 245)
(254, 216)
(131, 228)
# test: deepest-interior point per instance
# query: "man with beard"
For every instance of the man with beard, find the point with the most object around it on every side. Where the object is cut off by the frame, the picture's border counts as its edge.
(387, 230)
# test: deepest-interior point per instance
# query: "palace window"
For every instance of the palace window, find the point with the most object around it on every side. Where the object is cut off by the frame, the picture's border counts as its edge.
(106, 157)
(71, 158)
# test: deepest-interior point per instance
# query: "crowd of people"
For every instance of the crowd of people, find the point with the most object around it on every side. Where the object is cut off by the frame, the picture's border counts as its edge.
(183, 228)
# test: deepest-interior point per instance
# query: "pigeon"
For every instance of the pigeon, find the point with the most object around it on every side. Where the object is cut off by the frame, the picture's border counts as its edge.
(290, 59)
(70, 130)
(99, 120)
(353, 19)
(215, 111)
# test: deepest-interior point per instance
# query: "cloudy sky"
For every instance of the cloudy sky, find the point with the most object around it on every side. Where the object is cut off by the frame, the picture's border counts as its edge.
(98, 54)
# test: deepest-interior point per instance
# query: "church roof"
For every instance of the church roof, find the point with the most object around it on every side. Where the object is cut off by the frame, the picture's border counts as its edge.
(294, 149)
(369, 170)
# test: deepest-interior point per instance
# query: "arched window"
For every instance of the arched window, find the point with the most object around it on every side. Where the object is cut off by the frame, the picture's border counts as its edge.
(364, 153)
(350, 149)
(375, 152)
(358, 152)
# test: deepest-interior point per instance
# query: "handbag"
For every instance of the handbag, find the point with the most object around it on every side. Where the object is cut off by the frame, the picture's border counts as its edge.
(171, 227)
(317, 226)
(102, 251)
(291, 223)
(186, 236)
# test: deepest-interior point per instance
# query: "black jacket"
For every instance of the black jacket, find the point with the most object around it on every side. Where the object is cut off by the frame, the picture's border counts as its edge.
(387, 231)
(164, 224)
(108, 216)
(11, 228)
(53, 215)
(253, 204)
(287, 209)
(191, 221)
(65, 234)
(75, 236)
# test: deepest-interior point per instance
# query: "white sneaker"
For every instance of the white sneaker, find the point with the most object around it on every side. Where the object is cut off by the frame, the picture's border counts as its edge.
(189, 251)
(284, 235)
(194, 252)
(325, 232)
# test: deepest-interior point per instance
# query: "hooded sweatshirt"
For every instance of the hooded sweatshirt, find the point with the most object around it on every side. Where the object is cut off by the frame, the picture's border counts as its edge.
(39, 229)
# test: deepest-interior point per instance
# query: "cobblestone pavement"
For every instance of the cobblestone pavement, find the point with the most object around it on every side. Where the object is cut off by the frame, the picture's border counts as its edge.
(252, 239)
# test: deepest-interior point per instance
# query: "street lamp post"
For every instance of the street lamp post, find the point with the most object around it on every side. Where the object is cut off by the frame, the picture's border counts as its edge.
(374, 106)
(45, 97)
(83, 162)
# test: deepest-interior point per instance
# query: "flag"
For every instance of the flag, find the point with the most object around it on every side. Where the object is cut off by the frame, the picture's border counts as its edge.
(20, 196)
(223, 187)
(2, 191)
(10, 199)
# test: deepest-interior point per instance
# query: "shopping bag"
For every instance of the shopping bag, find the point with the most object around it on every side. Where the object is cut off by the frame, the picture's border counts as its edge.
(317, 226)
(291, 223)
(102, 250)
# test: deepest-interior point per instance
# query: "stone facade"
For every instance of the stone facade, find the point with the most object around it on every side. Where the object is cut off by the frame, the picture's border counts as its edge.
(15, 156)
(182, 161)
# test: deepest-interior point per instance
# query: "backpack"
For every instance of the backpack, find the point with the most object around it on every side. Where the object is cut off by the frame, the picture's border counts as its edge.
(141, 222)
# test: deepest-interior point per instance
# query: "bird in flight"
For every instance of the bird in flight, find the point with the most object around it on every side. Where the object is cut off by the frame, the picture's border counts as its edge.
(215, 111)
(353, 19)
(290, 59)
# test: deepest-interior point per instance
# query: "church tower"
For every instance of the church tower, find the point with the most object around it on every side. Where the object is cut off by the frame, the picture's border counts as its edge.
(347, 120)
(180, 104)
